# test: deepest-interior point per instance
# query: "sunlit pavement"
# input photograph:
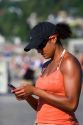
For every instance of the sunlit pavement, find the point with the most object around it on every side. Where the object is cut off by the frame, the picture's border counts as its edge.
(13, 112)
(79, 112)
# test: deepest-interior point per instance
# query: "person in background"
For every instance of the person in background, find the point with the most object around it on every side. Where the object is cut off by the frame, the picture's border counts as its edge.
(28, 76)
(59, 85)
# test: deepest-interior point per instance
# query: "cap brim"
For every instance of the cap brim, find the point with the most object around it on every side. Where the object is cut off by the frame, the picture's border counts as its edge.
(33, 45)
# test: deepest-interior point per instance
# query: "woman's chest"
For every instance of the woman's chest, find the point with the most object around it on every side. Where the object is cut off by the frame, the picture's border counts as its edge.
(53, 82)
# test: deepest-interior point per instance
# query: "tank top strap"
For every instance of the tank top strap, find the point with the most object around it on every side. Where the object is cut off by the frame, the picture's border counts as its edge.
(61, 58)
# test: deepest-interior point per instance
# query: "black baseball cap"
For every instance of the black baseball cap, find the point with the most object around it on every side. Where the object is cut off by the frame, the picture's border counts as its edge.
(39, 34)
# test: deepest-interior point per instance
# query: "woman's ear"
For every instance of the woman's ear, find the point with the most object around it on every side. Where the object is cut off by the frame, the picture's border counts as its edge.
(54, 38)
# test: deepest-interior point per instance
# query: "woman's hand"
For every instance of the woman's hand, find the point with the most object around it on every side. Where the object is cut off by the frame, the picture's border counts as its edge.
(23, 92)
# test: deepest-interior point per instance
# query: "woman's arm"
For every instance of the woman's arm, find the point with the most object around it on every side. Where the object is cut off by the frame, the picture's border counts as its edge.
(32, 101)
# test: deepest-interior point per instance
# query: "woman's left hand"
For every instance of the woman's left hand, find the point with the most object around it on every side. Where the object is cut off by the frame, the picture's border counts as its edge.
(23, 91)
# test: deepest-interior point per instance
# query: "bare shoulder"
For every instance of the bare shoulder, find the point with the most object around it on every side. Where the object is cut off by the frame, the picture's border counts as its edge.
(70, 63)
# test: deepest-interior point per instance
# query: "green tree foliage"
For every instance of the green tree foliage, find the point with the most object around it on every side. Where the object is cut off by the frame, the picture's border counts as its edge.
(14, 15)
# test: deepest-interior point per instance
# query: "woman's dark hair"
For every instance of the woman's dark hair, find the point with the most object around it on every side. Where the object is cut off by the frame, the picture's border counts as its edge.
(63, 30)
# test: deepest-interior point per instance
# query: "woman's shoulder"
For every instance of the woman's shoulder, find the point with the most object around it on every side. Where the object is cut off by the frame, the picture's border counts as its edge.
(69, 57)
(70, 62)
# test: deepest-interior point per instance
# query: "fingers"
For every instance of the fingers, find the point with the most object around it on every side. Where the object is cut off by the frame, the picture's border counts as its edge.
(15, 90)
(21, 97)
(22, 92)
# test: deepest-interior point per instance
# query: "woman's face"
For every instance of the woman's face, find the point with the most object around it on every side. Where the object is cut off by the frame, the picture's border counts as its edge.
(48, 50)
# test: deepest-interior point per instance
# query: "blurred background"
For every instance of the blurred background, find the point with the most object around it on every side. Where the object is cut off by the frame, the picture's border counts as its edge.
(17, 17)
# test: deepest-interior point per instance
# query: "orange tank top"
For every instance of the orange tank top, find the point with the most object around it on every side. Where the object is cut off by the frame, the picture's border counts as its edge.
(54, 84)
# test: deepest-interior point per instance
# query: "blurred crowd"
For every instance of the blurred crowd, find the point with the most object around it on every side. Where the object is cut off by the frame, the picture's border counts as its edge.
(22, 67)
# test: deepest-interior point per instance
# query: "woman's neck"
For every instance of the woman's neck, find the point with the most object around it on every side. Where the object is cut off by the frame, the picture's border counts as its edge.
(58, 51)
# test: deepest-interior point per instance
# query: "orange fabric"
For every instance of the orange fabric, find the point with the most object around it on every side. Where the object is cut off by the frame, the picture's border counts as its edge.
(54, 84)
(44, 124)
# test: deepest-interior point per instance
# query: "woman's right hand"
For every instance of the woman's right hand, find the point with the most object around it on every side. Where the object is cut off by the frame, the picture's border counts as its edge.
(23, 92)
(19, 98)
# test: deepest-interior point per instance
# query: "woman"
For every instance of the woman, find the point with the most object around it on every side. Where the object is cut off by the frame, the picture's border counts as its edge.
(81, 63)
(59, 85)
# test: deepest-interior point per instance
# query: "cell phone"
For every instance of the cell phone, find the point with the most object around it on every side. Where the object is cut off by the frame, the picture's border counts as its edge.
(11, 86)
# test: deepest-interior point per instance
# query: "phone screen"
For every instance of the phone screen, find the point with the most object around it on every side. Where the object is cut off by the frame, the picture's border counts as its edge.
(11, 86)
